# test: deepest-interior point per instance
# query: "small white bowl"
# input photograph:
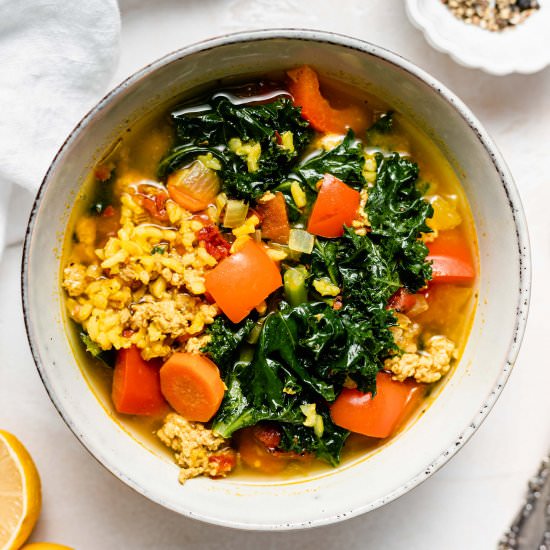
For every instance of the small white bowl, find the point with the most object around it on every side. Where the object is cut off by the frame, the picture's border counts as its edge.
(467, 395)
(524, 48)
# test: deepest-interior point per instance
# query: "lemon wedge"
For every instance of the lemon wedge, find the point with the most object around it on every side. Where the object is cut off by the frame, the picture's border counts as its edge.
(20, 496)
(45, 546)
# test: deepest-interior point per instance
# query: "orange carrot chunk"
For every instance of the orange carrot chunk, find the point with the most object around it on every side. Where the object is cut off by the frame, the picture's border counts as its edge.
(336, 206)
(304, 87)
(274, 219)
(191, 383)
(451, 259)
(243, 280)
(378, 416)
(136, 384)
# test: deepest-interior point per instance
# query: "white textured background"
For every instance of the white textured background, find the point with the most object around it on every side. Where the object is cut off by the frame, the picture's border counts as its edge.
(467, 504)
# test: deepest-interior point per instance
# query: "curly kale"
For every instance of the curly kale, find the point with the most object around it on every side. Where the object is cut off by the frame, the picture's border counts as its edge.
(300, 439)
(397, 213)
(344, 162)
(212, 128)
(384, 125)
(225, 339)
(305, 353)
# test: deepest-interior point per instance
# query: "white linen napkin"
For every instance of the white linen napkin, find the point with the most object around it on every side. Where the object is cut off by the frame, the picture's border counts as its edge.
(57, 58)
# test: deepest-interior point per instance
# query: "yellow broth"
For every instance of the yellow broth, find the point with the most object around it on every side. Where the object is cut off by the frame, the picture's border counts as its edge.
(138, 152)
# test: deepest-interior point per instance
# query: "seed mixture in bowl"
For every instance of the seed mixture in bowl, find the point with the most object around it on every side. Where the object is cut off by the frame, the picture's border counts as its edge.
(275, 274)
(492, 16)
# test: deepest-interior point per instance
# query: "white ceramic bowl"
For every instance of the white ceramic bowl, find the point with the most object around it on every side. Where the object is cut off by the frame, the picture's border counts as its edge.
(465, 399)
(524, 48)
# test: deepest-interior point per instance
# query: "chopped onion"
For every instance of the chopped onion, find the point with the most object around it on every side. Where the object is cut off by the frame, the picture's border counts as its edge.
(221, 201)
(301, 241)
(197, 180)
(235, 213)
(290, 254)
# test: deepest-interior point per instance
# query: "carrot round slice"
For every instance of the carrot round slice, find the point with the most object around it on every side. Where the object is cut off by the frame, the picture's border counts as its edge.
(243, 280)
(336, 206)
(378, 416)
(304, 87)
(136, 384)
(191, 383)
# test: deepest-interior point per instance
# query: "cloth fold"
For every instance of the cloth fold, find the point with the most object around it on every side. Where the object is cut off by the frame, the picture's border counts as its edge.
(57, 59)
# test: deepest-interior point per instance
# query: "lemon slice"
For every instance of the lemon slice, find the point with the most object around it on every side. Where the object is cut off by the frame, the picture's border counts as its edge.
(45, 546)
(20, 496)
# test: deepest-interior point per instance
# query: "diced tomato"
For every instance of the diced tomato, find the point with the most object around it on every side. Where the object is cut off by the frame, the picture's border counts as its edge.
(378, 416)
(274, 218)
(402, 300)
(215, 244)
(336, 206)
(268, 435)
(108, 212)
(103, 172)
(136, 384)
(155, 203)
(451, 259)
(224, 461)
(243, 280)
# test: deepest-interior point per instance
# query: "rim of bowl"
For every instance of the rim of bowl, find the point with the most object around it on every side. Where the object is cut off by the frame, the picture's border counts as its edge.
(522, 241)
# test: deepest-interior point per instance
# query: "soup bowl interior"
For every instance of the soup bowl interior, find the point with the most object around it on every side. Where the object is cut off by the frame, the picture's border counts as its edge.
(463, 401)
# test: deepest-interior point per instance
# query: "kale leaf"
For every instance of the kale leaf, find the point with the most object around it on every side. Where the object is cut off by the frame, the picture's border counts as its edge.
(103, 194)
(384, 125)
(106, 357)
(304, 353)
(278, 379)
(344, 162)
(222, 120)
(397, 213)
(225, 339)
(182, 155)
(301, 439)
(211, 129)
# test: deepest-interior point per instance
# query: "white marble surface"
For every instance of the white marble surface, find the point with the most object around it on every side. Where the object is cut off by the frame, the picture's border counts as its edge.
(465, 505)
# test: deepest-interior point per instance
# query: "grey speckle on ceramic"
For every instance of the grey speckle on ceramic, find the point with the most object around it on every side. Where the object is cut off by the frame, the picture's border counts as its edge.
(466, 397)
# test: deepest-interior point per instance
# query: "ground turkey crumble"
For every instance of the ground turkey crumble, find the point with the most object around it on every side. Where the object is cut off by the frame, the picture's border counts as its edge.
(197, 450)
(427, 365)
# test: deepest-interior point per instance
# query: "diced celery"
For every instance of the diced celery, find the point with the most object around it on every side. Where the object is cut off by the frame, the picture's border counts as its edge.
(254, 334)
(295, 286)
(298, 194)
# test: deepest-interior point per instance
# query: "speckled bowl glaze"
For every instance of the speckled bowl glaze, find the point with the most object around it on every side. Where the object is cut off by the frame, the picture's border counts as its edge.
(463, 402)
